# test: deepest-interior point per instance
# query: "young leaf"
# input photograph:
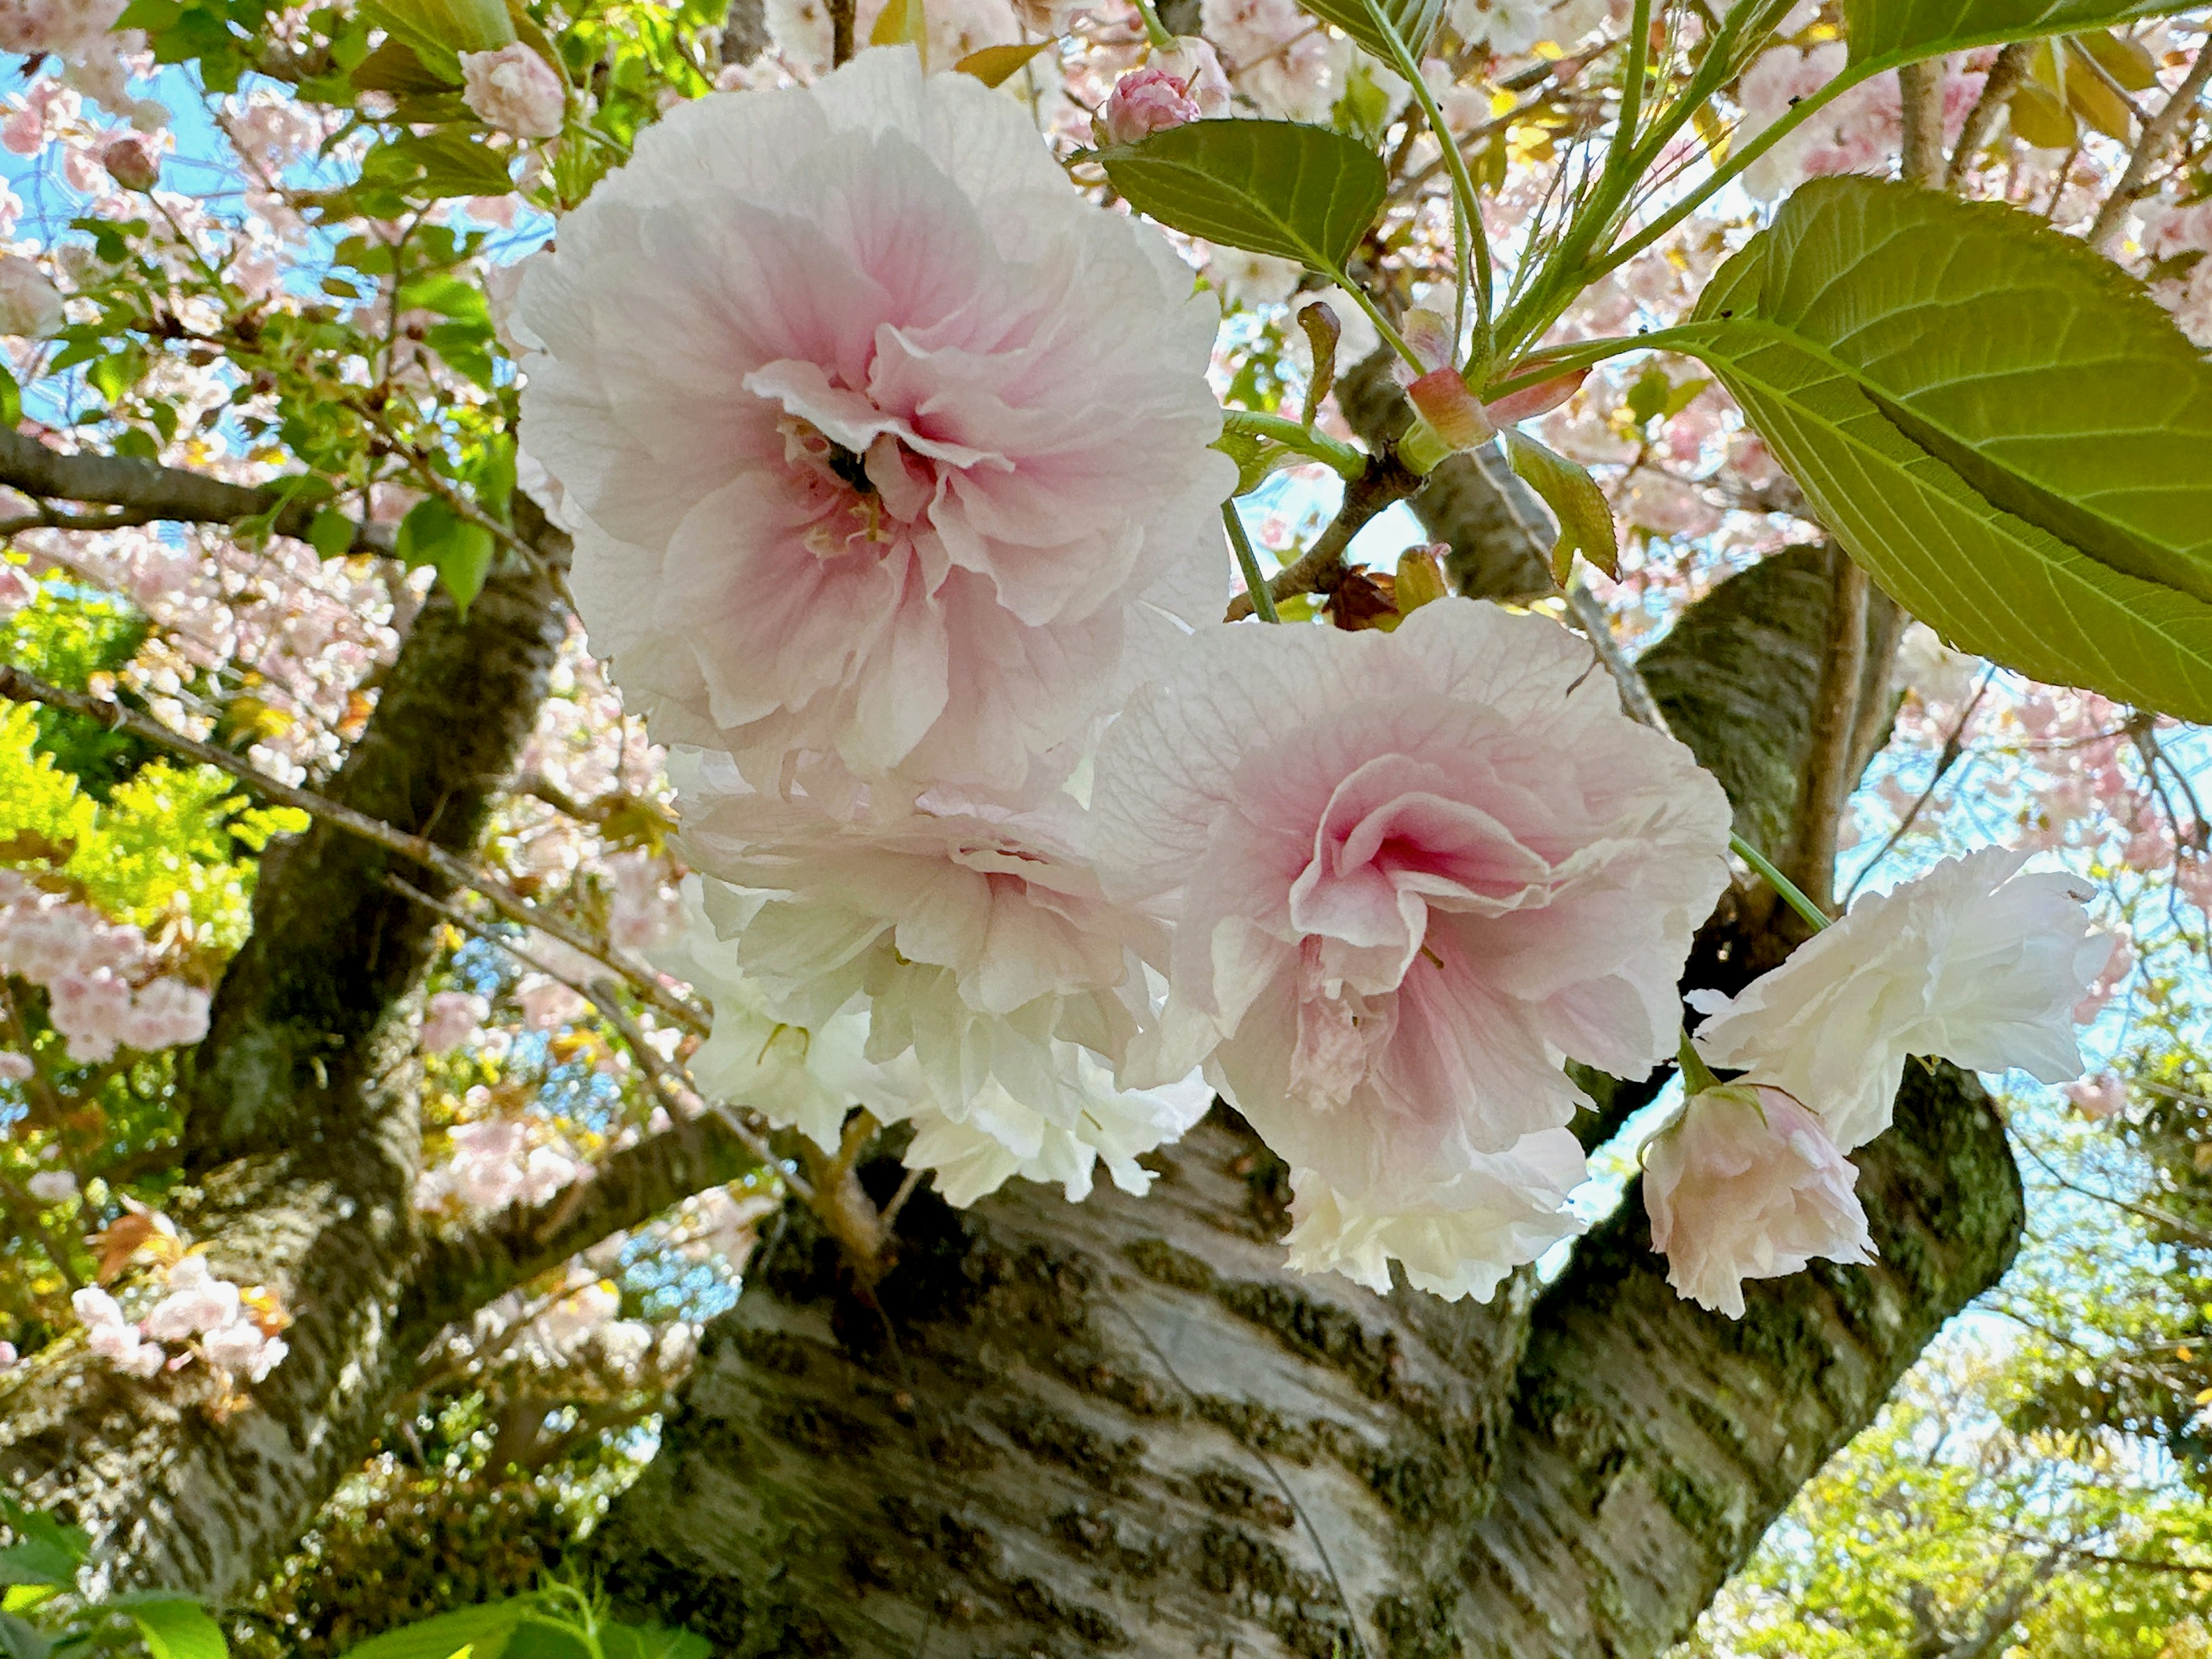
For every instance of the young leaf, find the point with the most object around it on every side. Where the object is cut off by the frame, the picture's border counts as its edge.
(995, 66)
(432, 533)
(900, 24)
(1585, 520)
(1415, 21)
(484, 1628)
(178, 1629)
(1884, 34)
(2000, 426)
(1280, 187)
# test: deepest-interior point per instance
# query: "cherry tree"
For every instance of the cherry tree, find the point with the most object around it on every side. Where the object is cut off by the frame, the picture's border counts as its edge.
(1091, 693)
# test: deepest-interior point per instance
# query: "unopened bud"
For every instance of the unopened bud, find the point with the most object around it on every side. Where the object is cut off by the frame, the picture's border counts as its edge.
(1453, 412)
(1363, 600)
(1145, 101)
(1421, 576)
(132, 162)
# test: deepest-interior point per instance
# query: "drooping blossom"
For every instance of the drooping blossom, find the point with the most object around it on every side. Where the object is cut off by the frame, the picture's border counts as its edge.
(514, 90)
(1746, 1183)
(974, 1141)
(495, 1163)
(1973, 963)
(1459, 1239)
(2102, 1097)
(977, 935)
(886, 440)
(1411, 874)
(30, 304)
(112, 1337)
(67, 28)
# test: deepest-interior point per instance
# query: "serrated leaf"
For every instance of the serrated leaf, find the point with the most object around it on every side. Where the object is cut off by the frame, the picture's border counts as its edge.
(1585, 520)
(1415, 21)
(178, 1629)
(1884, 34)
(1281, 188)
(1998, 424)
(995, 66)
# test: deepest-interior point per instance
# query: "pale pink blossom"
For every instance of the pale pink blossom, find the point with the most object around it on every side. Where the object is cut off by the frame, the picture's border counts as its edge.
(67, 28)
(17, 589)
(1192, 60)
(1145, 101)
(1973, 961)
(1457, 1240)
(513, 90)
(15, 1068)
(886, 439)
(2104, 1095)
(108, 1335)
(30, 304)
(1411, 874)
(449, 1018)
(196, 1301)
(51, 1186)
(1744, 1184)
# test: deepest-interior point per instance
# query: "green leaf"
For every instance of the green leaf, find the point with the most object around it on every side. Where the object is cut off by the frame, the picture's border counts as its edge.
(432, 533)
(1585, 520)
(180, 1630)
(450, 162)
(1281, 188)
(20, 1638)
(330, 533)
(620, 1641)
(1998, 424)
(441, 30)
(1884, 34)
(1415, 21)
(484, 1630)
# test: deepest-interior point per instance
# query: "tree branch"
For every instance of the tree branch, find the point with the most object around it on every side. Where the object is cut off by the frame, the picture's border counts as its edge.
(1318, 570)
(1920, 90)
(1809, 859)
(152, 491)
(462, 1271)
(20, 687)
(2006, 74)
(2151, 146)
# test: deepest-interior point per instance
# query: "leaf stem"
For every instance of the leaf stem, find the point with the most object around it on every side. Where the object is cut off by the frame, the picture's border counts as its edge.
(1347, 462)
(1469, 233)
(1781, 883)
(1383, 325)
(1263, 600)
(1156, 33)
(1622, 154)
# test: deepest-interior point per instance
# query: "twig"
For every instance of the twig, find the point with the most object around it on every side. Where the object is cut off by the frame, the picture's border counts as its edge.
(1920, 90)
(19, 687)
(2150, 147)
(1635, 696)
(2005, 75)
(1954, 746)
(1387, 480)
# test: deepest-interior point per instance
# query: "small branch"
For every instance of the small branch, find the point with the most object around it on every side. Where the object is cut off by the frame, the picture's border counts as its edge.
(1596, 627)
(1954, 746)
(841, 31)
(1810, 859)
(2151, 147)
(165, 493)
(2004, 77)
(1318, 570)
(1920, 89)
(19, 687)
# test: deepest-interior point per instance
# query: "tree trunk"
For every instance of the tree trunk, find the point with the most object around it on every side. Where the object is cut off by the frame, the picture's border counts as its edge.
(1122, 1427)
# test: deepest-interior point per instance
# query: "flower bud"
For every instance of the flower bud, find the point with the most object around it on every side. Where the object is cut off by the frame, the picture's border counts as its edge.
(132, 162)
(1145, 101)
(1192, 60)
(1453, 412)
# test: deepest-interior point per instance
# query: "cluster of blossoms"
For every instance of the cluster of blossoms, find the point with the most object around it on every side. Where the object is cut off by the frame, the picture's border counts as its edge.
(103, 988)
(887, 457)
(497, 1161)
(197, 1314)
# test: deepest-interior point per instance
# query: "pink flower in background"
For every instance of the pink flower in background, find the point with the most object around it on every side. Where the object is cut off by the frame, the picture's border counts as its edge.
(1411, 874)
(514, 90)
(30, 304)
(1972, 962)
(1192, 61)
(886, 442)
(1144, 101)
(1747, 1184)
(449, 1017)
(2104, 1095)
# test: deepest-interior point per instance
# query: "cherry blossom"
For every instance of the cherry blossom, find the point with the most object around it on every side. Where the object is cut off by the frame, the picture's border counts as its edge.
(30, 304)
(912, 522)
(1145, 100)
(449, 1018)
(1746, 1183)
(1411, 872)
(514, 90)
(1974, 961)
(112, 1337)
